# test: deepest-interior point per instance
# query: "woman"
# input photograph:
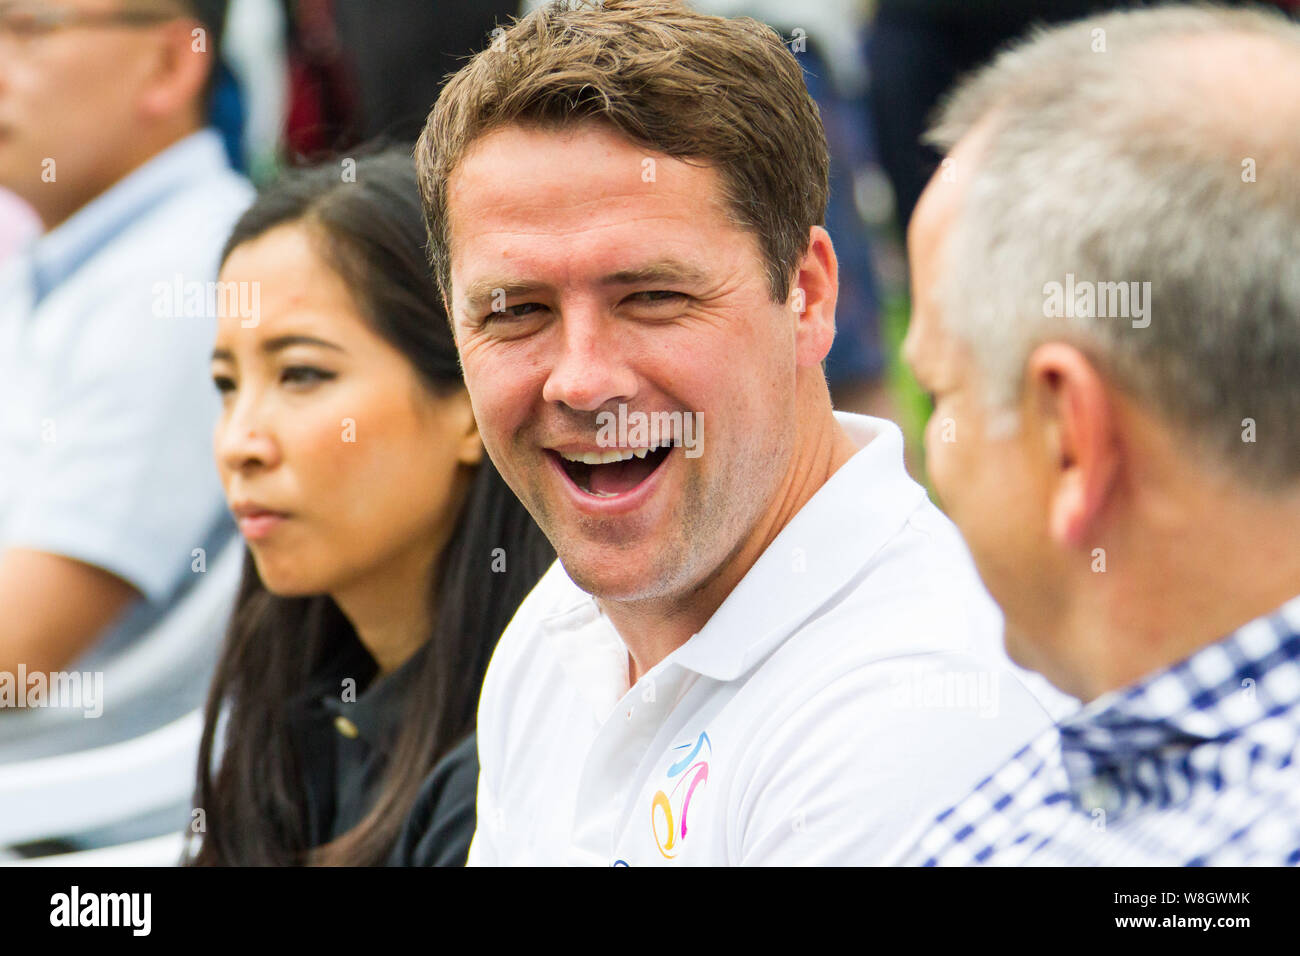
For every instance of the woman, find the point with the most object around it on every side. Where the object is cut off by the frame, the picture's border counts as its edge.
(387, 554)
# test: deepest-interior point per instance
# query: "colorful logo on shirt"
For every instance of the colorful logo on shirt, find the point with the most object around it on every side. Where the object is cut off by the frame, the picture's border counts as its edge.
(669, 811)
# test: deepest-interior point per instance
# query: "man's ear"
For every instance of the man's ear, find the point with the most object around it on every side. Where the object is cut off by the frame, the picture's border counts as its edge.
(181, 62)
(1067, 399)
(812, 299)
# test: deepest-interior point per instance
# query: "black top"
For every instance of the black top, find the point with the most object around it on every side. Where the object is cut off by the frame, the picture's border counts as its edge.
(346, 746)
(441, 823)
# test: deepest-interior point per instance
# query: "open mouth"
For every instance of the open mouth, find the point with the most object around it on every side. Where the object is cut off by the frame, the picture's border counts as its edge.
(612, 471)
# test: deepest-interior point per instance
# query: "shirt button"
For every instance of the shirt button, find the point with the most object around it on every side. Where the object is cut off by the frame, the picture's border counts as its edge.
(346, 727)
(1099, 795)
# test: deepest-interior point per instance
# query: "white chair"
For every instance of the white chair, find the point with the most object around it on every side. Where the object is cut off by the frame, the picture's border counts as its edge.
(90, 789)
(99, 788)
(156, 851)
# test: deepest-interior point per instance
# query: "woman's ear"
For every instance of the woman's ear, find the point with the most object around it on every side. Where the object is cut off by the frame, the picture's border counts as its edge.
(469, 444)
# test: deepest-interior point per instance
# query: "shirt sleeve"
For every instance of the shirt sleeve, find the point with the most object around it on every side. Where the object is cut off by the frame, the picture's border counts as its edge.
(441, 824)
(845, 773)
(124, 479)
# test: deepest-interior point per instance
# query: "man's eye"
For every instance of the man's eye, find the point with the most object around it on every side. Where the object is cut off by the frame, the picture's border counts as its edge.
(517, 311)
(657, 295)
(304, 375)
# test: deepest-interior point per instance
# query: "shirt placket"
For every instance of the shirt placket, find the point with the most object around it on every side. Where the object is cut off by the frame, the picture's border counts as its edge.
(616, 764)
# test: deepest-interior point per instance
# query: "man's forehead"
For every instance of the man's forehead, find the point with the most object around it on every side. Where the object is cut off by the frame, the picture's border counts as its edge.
(932, 221)
(931, 226)
(616, 206)
(936, 210)
(521, 167)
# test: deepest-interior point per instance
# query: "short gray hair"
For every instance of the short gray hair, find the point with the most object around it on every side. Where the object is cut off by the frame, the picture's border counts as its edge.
(1099, 165)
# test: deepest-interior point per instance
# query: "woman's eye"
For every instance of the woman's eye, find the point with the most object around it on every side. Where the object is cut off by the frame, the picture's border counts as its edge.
(304, 375)
(224, 383)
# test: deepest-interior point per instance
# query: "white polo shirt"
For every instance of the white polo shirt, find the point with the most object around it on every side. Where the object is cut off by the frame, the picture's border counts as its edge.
(853, 681)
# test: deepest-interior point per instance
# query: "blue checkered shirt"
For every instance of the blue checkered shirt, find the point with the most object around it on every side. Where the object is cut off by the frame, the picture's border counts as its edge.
(1195, 765)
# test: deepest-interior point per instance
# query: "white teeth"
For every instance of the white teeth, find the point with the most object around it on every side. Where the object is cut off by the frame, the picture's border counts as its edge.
(610, 455)
(606, 457)
(598, 457)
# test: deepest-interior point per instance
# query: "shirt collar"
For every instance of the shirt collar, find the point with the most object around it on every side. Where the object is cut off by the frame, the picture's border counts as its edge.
(60, 252)
(380, 708)
(822, 549)
(1217, 693)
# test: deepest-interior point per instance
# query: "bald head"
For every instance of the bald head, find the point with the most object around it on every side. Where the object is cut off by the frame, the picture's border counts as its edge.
(1146, 157)
(1220, 96)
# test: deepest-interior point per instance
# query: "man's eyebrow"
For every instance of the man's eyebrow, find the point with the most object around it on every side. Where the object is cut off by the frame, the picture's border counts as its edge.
(271, 346)
(669, 271)
(483, 291)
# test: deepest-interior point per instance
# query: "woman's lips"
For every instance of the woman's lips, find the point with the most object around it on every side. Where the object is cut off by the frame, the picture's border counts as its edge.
(256, 522)
(254, 527)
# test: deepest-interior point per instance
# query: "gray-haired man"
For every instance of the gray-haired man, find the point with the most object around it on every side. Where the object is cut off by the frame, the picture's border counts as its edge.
(1108, 312)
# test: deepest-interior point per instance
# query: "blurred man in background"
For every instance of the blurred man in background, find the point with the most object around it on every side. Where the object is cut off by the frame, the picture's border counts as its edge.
(1108, 313)
(109, 501)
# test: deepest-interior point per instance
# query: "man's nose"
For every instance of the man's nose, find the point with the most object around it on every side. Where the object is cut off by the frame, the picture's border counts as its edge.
(591, 368)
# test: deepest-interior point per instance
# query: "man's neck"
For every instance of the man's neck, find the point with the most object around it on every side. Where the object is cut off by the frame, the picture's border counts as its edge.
(654, 629)
(56, 206)
(1192, 586)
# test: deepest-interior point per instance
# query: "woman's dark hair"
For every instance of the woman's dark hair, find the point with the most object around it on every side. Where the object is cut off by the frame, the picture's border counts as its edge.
(370, 229)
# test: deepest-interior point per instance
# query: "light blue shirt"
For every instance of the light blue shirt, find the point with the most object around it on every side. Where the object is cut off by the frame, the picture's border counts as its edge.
(106, 403)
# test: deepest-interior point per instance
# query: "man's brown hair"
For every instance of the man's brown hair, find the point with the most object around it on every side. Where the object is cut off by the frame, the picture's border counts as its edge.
(723, 91)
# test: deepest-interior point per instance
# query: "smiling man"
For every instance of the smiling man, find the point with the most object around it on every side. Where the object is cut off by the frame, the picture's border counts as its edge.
(1128, 485)
(772, 649)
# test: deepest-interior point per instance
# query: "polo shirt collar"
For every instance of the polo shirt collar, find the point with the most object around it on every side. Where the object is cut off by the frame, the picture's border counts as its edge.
(60, 252)
(822, 549)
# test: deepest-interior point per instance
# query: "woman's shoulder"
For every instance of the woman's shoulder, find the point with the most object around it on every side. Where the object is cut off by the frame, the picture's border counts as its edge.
(441, 823)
